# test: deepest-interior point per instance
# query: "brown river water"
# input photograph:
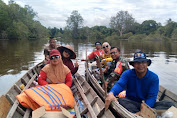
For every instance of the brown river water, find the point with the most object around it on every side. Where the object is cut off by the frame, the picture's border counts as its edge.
(19, 56)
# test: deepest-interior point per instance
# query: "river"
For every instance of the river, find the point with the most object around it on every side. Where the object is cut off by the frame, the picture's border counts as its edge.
(17, 57)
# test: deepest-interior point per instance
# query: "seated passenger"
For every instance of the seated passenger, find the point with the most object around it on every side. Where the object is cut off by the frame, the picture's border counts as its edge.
(48, 48)
(99, 52)
(55, 71)
(140, 83)
(106, 57)
(118, 65)
(67, 54)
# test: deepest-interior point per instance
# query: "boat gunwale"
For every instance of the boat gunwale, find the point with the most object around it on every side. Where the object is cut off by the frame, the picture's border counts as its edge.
(163, 92)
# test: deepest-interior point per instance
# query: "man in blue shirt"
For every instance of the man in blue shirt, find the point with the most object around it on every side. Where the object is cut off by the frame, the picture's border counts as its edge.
(140, 83)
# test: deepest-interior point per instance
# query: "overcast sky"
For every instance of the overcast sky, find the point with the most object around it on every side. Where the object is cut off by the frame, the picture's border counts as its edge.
(54, 13)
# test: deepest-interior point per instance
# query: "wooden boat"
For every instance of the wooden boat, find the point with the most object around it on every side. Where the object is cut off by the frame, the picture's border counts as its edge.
(163, 94)
(85, 96)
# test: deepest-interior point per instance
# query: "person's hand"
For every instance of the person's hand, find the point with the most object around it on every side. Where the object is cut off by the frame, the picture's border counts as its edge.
(110, 97)
(102, 61)
(76, 64)
(105, 69)
(106, 83)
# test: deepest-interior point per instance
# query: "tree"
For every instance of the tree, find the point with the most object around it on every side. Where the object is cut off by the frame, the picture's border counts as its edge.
(17, 31)
(174, 34)
(161, 31)
(169, 27)
(30, 11)
(122, 22)
(17, 22)
(149, 26)
(85, 33)
(74, 23)
(4, 17)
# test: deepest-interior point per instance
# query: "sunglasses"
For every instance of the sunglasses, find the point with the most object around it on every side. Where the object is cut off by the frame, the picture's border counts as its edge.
(113, 52)
(54, 57)
(69, 52)
(105, 46)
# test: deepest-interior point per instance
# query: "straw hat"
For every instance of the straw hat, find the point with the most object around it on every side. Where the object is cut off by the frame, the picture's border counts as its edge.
(67, 47)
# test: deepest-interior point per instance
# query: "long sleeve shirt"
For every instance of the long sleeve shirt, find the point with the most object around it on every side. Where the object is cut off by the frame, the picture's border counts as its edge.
(70, 65)
(42, 79)
(138, 89)
(95, 53)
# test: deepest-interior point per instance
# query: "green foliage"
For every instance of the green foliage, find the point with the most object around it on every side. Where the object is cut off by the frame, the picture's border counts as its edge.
(122, 21)
(149, 26)
(17, 22)
(85, 33)
(38, 31)
(169, 28)
(174, 34)
(137, 37)
(153, 37)
(135, 28)
(74, 23)
(18, 31)
(55, 32)
(126, 36)
(161, 31)
(112, 37)
(4, 17)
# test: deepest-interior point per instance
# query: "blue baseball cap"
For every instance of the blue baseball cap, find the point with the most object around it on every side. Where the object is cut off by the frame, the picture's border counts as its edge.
(140, 57)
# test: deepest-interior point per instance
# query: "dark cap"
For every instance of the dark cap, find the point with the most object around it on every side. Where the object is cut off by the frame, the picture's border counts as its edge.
(140, 57)
(51, 37)
(97, 43)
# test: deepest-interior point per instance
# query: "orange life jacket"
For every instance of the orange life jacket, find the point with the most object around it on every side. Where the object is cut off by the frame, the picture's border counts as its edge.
(51, 96)
(118, 68)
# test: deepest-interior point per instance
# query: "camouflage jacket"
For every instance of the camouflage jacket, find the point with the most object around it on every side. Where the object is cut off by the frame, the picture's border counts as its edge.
(124, 63)
(112, 77)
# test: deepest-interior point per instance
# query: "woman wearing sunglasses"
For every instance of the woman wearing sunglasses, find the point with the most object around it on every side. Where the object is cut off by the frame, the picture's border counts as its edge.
(67, 54)
(55, 71)
(106, 61)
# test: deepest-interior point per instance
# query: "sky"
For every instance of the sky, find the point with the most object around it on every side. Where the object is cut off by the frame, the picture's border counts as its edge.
(54, 13)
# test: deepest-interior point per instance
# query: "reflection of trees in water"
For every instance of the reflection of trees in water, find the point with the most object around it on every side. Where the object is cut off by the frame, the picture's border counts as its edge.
(17, 54)
(129, 47)
(150, 47)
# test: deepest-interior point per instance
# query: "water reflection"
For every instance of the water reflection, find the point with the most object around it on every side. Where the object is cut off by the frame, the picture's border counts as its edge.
(162, 54)
(18, 56)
